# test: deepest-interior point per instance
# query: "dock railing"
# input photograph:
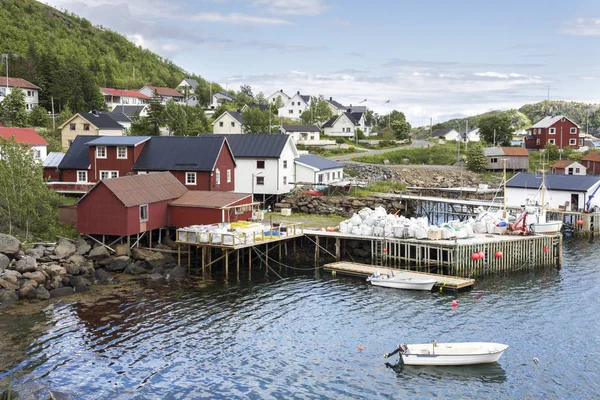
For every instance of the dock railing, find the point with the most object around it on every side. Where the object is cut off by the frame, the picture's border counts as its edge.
(232, 239)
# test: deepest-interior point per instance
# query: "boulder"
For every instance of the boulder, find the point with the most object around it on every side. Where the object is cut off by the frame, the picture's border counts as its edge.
(63, 291)
(158, 270)
(155, 260)
(121, 250)
(53, 283)
(119, 263)
(8, 297)
(37, 252)
(64, 249)
(87, 268)
(169, 259)
(135, 269)
(76, 259)
(39, 293)
(11, 276)
(98, 253)
(104, 262)
(82, 248)
(26, 287)
(156, 276)
(177, 273)
(81, 280)
(26, 264)
(72, 269)
(37, 276)
(170, 243)
(81, 287)
(4, 284)
(9, 245)
(55, 271)
(102, 276)
(4, 261)
(140, 254)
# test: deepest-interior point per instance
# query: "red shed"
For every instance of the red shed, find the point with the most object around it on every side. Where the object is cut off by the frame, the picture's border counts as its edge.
(128, 205)
(592, 162)
(559, 131)
(203, 208)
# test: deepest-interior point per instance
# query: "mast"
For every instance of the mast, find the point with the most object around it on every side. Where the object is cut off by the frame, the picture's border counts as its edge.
(543, 190)
(504, 180)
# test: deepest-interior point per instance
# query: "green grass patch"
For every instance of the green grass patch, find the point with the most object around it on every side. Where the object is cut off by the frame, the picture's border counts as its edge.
(445, 154)
(330, 152)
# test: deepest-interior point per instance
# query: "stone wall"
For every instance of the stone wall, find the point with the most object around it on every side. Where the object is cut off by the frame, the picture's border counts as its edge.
(338, 205)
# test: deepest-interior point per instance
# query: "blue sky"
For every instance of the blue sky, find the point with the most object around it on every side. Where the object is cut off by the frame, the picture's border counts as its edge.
(431, 59)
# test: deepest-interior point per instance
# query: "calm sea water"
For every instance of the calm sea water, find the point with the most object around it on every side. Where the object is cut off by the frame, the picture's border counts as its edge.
(298, 337)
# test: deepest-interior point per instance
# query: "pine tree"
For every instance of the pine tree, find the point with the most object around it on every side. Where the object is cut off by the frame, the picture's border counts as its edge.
(155, 113)
(476, 160)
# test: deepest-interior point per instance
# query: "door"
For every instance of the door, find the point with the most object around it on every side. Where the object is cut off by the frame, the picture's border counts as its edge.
(574, 201)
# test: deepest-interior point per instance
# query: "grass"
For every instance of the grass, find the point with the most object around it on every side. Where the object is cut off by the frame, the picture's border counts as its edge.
(330, 152)
(379, 187)
(309, 220)
(445, 154)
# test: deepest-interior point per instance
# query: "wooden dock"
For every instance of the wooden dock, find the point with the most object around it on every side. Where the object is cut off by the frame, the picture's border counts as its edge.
(443, 282)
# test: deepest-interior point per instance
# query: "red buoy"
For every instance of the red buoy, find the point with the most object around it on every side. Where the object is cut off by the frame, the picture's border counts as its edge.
(475, 256)
(454, 303)
(498, 254)
(481, 254)
(579, 222)
(385, 250)
(546, 248)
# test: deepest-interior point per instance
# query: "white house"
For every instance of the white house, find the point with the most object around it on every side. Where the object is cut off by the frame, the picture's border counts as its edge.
(346, 124)
(471, 136)
(119, 117)
(164, 93)
(568, 167)
(220, 98)
(264, 164)
(132, 111)
(114, 98)
(294, 108)
(279, 95)
(570, 191)
(446, 134)
(302, 134)
(187, 87)
(230, 122)
(337, 108)
(314, 169)
(29, 137)
(31, 91)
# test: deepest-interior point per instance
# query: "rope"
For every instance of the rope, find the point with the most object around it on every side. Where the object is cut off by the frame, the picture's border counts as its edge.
(270, 269)
(282, 264)
(321, 247)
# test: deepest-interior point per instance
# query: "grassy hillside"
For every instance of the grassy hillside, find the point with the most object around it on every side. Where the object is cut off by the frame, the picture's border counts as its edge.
(69, 58)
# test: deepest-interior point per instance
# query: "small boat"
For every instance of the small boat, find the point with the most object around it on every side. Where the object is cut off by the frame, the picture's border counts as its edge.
(468, 353)
(400, 282)
(540, 225)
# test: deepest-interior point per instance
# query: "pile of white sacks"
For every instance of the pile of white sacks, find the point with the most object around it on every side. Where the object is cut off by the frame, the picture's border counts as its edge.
(378, 222)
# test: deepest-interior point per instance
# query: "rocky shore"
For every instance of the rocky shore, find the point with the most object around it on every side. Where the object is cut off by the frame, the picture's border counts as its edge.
(60, 269)
(339, 205)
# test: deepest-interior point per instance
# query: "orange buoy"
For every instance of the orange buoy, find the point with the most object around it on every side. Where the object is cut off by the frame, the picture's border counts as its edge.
(498, 254)
(385, 250)
(481, 254)
(546, 248)
(579, 222)
(360, 348)
(475, 256)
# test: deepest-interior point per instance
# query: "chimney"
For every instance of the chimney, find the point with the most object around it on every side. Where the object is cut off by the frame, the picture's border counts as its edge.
(281, 90)
(95, 112)
(298, 92)
(330, 98)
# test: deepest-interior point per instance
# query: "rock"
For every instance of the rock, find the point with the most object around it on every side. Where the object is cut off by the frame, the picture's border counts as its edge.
(53, 283)
(63, 291)
(81, 280)
(39, 293)
(9, 245)
(140, 254)
(158, 270)
(82, 248)
(171, 244)
(4, 261)
(55, 271)
(72, 269)
(37, 276)
(135, 269)
(87, 268)
(11, 276)
(178, 272)
(76, 259)
(26, 287)
(37, 252)
(102, 276)
(156, 276)
(64, 249)
(119, 263)
(26, 264)
(81, 287)
(104, 262)
(155, 260)
(98, 253)
(4, 284)
(8, 297)
(121, 250)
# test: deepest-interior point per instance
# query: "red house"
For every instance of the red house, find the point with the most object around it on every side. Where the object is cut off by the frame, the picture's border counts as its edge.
(202, 208)
(592, 162)
(114, 156)
(560, 131)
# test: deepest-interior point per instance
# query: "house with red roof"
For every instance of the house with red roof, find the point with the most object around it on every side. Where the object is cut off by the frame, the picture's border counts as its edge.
(31, 91)
(592, 162)
(164, 93)
(114, 97)
(29, 137)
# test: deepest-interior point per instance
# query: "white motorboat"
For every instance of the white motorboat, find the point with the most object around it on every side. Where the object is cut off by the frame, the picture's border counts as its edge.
(440, 354)
(401, 282)
(540, 225)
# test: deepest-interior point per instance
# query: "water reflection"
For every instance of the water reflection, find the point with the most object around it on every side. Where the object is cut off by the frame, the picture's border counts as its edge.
(487, 373)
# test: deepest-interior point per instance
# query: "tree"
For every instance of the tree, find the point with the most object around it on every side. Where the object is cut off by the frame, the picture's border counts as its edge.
(318, 112)
(64, 116)
(261, 99)
(141, 126)
(496, 129)
(155, 113)
(197, 121)
(476, 160)
(12, 108)
(244, 96)
(255, 120)
(38, 117)
(401, 129)
(519, 121)
(203, 94)
(552, 154)
(340, 141)
(175, 119)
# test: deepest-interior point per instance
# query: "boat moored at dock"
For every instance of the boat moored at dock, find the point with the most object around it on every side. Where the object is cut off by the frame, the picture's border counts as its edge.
(401, 281)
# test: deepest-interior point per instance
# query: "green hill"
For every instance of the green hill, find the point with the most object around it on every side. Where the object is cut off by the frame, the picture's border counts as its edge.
(69, 58)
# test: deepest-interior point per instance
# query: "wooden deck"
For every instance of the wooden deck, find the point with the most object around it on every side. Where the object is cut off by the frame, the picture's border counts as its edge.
(364, 270)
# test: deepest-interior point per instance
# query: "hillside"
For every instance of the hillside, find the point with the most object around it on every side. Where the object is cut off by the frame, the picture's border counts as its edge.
(69, 58)
(529, 114)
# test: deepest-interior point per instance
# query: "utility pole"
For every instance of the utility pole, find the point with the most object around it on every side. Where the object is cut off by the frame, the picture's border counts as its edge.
(430, 126)
(494, 137)
(53, 115)
(6, 58)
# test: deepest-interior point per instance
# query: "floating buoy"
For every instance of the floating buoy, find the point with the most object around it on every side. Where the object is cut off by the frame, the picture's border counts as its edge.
(536, 360)
(360, 348)
(385, 250)
(454, 303)
(475, 256)
(579, 222)
(481, 254)
(498, 254)
(546, 248)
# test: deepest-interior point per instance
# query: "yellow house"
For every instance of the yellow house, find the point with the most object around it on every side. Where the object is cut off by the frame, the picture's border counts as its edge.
(90, 124)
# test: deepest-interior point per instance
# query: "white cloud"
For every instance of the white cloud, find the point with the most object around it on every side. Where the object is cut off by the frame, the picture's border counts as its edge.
(292, 7)
(236, 18)
(154, 45)
(581, 27)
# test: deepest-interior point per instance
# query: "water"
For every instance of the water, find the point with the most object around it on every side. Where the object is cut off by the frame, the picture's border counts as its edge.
(298, 338)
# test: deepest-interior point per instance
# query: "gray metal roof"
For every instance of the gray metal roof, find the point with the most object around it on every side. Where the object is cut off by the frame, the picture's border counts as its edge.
(180, 153)
(574, 183)
(256, 146)
(318, 162)
(78, 155)
(305, 98)
(336, 104)
(102, 121)
(441, 132)
(300, 128)
(547, 122)
(53, 159)
(192, 82)
(130, 111)
(118, 116)
(118, 141)
(237, 116)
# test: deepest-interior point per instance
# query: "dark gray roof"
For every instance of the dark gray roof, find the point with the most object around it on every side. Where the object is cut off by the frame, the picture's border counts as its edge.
(225, 95)
(78, 155)
(441, 132)
(180, 153)
(130, 111)
(118, 116)
(330, 123)
(118, 141)
(362, 109)
(237, 116)
(318, 162)
(192, 82)
(256, 146)
(575, 183)
(102, 121)
(261, 107)
(300, 128)
(306, 98)
(336, 104)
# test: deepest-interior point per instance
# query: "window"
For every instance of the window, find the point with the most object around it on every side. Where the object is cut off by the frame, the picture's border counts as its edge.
(101, 152)
(260, 164)
(72, 127)
(36, 154)
(221, 124)
(82, 177)
(285, 180)
(328, 177)
(320, 178)
(233, 124)
(122, 152)
(109, 174)
(190, 178)
(581, 142)
(144, 213)
(572, 142)
(217, 176)
(260, 180)
(573, 130)
(552, 131)
(228, 176)
(284, 163)
(142, 172)
(292, 103)
(339, 174)
(576, 170)
(494, 160)
(551, 141)
(312, 138)
(30, 93)
(291, 111)
(537, 142)
(86, 127)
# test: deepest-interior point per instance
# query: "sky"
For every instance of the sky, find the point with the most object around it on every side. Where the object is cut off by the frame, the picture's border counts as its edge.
(432, 59)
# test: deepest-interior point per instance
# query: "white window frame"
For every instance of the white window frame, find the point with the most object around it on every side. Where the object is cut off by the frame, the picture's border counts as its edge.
(573, 131)
(263, 164)
(551, 141)
(537, 142)
(98, 151)
(78, 177)
(552, 131)
(493, 160)
(119, 148)
(572, 142)
(228, 176)
(144, 207)
(37, 154)
(581, 142)
(109, 174)
(217, 176)
(285, 164)
(142, 173)
(192, 181)
(260, 180)
(577, 170)
(320, 178)
(233, 124)
(285, 180)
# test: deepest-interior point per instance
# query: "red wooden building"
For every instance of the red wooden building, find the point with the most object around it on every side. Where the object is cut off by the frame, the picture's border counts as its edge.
(592, 162)
(559, 131)
(201, 208)
(114, 156)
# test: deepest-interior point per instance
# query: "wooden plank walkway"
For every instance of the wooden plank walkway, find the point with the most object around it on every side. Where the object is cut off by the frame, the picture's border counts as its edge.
(364, 270)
